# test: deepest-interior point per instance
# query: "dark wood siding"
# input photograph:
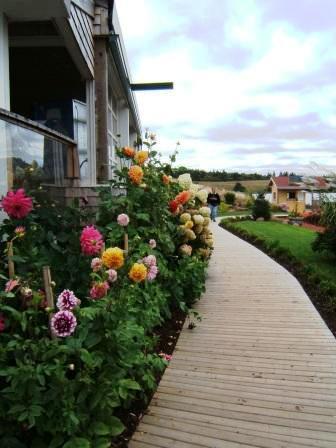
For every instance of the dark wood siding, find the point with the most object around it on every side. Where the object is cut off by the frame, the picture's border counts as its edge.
(82, 27)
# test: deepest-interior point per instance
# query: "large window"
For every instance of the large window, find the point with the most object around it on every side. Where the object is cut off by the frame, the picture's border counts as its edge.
(291, 195)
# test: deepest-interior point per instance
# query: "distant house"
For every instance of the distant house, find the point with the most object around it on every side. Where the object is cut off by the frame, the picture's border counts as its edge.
(66, 98)
(297, 192)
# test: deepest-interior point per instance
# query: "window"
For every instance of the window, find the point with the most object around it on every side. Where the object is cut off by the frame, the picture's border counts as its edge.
(274, 195)
(292, 195)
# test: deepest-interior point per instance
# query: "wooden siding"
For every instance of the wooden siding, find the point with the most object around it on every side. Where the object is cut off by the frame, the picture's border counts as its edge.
(82, 27)
(258, 371)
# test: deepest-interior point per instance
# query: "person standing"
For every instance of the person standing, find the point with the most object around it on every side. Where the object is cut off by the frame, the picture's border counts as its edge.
(213, 202)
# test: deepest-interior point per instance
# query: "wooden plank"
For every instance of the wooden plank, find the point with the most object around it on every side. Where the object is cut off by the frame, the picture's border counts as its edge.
(259, 370)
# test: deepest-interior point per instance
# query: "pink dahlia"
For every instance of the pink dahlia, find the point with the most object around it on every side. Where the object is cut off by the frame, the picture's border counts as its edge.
(96, 264)
(91, 241)
(123, 220)
(2, 323)
(99, 290)
(20, 231)
(149, 261)
(16, 204)
(63, 323)
(67, 300)
(165, 356)
(152, 273)
(112, 275)
(11, 284)
(152, 244)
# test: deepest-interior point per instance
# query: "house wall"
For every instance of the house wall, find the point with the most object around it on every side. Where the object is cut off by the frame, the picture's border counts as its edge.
(282, 197)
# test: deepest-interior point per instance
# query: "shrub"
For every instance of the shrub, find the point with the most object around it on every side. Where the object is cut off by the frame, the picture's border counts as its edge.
(261, 209)
(229, 198)
(239, 187)
(223, 208)
(312, 217)
(327, 241)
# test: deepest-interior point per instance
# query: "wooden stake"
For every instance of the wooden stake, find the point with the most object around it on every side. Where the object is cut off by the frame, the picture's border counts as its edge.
(126, 243)
(11, 267)
(47, 286)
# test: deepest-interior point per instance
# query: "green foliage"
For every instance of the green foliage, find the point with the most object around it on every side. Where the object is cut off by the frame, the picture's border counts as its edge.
(326, 242)
(229, 198)
(261, 209)
(67, 392)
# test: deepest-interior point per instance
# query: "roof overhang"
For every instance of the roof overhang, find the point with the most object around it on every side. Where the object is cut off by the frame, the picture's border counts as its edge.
(35, 10)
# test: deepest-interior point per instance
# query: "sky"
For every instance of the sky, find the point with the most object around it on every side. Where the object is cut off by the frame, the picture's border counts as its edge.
(254, 81)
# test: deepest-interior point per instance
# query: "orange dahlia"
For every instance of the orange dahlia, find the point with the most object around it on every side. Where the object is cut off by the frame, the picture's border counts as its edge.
(141, 157)
(138, 272)
(135, 173)
(183, 197)
(113, 257)
(128, 152)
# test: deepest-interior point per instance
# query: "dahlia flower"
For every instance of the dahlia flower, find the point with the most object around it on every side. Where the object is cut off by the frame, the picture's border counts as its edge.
(135, 173)
(165, 179)
(123, 220)
(152, 273)
(128, 152)
(174, 206)
(198, 219)
(185, 181)
(138, 272)
(198, 229)
(67, 300)
(206, 221)
(112, 275)
(166, 357)
(11, 284)
(185, 217)
(185, 249)
(183, 197)
(91, 241)
(20, 231)
(205, 211)
(141, 157)
(63, 323)
(149, 261)
(16, 204)
(202, 195)
(113, 258)
(96, 264)
(152, 244)
(189, 234)
(189, 225)
(99, 290)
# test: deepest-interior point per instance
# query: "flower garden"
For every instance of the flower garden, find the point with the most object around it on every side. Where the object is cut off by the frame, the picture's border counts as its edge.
(81, 294)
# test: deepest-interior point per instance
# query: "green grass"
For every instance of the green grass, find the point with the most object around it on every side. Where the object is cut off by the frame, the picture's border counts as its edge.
(296, 239)
(252, 186)
(235, 213)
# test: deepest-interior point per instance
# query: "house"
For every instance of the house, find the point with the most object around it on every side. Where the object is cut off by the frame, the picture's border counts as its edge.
(66, 99)
(297, 192)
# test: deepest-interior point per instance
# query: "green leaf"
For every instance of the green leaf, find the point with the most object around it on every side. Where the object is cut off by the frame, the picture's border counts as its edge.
(102, 443)
(100, 429)
(78, 442)
(129, 384)
(56, 442)
(116, 426)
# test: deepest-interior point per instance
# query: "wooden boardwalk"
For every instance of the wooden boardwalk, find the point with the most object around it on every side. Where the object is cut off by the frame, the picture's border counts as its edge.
(258, 371)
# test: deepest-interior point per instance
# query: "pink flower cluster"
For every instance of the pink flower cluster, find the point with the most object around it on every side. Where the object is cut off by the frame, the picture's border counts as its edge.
(96, 264)
(112, 275)
(11, 284)
(67, 300)
(63, 323)
(91, 241)
(16, 204)
(152, 244)
(123, 220)
(150, 263)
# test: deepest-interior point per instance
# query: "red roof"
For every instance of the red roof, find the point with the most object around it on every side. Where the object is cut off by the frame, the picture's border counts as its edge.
(321, 183)
(281, 181)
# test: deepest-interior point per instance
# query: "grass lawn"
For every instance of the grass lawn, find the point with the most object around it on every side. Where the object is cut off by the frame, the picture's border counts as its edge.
(252, 186)
(296, 239)
(235, 213)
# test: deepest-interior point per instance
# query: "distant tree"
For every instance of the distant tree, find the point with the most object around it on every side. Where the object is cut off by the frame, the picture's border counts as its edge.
(239, 187)
(261, 208)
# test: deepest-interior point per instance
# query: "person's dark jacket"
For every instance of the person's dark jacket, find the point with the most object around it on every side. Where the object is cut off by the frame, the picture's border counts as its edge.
(213, 199)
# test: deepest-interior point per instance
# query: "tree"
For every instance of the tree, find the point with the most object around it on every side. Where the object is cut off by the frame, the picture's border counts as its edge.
(261, 208)
(239, 187)
(229, 198)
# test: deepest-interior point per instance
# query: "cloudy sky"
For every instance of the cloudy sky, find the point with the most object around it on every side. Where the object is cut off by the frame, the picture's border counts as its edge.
(254, 80)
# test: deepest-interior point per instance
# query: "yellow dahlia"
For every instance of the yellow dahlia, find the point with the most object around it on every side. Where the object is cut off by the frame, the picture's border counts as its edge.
(141, 157)
(138, 272)
(113, 257)
(189, 224)
(135, 173)
(185, 217)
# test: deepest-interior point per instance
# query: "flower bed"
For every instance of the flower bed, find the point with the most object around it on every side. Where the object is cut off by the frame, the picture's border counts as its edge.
(69, 370)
